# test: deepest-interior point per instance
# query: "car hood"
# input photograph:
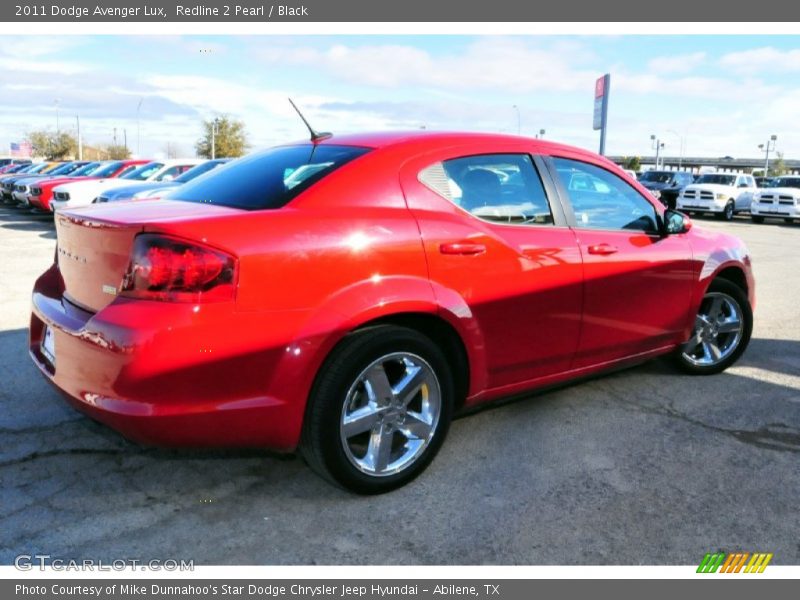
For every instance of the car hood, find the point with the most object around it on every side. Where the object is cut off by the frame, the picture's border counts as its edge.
(656, 185)
(710, 187)
(146, 186)
(25, 180)
(92, 185)
(783, 191)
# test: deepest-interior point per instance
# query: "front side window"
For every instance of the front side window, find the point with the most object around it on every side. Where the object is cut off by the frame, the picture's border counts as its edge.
(601, 200)
(500, 188)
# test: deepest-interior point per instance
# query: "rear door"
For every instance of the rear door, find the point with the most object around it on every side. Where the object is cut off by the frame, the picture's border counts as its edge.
(638, 283)
(495, 235)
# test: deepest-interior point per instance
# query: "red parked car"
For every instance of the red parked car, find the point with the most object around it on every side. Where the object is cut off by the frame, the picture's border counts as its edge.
(42, 191)
(347, 296)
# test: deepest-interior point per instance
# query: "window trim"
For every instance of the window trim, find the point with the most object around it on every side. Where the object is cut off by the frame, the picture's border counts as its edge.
(569, 210)
(548, 186)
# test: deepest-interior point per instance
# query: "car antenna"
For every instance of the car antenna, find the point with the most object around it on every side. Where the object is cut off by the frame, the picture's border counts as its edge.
(316, 136)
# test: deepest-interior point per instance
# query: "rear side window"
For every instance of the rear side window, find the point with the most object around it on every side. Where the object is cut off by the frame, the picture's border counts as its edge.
(500, 188)
(268, 179)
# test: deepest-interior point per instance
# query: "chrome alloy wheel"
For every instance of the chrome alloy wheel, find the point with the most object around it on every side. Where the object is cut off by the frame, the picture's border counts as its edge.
(390, 414)
(717, 330)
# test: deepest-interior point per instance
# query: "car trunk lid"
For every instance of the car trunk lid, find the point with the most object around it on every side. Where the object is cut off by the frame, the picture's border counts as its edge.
(94, 244)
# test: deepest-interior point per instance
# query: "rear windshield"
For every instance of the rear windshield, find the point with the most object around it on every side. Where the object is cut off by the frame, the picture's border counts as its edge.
(269, 179)
(657, 176)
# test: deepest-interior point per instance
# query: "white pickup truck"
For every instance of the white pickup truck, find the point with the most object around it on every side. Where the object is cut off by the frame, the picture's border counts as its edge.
(722, 194)
(781, 199)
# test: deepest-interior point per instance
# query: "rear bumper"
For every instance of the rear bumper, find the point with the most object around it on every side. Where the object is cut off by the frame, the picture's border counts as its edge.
(173, 374)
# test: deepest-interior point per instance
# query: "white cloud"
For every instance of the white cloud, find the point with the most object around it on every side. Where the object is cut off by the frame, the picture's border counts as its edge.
(763, 59)
(496, 64)
(677, 63)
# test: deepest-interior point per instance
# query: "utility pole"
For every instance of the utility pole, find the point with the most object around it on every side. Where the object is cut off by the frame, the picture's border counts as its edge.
(138, 132)
(125, 137)
(115, 136)
(214, 126)
(80, 142)
(58, 129)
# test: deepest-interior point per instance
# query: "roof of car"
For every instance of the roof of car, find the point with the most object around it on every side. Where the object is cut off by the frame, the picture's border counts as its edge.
(392, 138)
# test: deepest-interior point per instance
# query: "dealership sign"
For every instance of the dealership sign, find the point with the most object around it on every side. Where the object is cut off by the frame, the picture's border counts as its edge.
(602, 87)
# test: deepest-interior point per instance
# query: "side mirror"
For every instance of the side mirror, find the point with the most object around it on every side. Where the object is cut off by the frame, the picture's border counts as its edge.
(676, 222)
(742, 185)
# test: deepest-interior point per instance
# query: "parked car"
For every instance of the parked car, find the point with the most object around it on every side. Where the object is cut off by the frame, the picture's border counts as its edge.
(781, 200)
(83, 193)
(666, 185)
(8, 183)
(41, 192)
(22, 185)
(155, 189)
(721, 194)
(14, 168)
(349, 295)
(5, 162)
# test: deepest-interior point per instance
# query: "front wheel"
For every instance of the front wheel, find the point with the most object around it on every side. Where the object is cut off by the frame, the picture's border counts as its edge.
(727, 213)
(379, 411)
(756, 219)
(788, 221)
(721, 333)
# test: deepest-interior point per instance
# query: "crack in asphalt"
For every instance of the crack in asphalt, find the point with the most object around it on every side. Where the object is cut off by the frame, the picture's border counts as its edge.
(773, 436)
(62, 452)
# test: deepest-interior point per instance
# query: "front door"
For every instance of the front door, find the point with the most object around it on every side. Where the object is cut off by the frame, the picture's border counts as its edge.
(638, 283)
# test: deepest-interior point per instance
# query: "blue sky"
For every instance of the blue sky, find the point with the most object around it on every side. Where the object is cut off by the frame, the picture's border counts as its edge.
(723, 95)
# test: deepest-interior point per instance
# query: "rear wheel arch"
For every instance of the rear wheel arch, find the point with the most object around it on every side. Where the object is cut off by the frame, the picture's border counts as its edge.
(444, 335)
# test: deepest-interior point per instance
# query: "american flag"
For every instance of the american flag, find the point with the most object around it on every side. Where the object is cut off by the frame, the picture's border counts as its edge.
(21, 149)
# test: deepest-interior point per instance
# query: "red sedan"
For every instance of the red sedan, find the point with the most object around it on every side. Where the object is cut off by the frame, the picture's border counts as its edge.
(347, 296)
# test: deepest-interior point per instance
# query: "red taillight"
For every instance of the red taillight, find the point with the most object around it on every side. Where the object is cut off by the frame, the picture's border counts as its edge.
(166, 268)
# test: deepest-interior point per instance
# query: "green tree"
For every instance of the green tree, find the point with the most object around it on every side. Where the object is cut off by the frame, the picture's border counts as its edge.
(117, 152)
(229, 137)
(634, 163)
(52, 146)
(778, 166)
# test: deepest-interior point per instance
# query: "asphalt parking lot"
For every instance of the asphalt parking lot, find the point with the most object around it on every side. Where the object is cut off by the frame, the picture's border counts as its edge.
(645, 466)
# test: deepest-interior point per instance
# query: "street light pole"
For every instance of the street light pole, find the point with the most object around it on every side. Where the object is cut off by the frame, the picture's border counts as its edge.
(655, 143)
(770, 145)
(519, 119)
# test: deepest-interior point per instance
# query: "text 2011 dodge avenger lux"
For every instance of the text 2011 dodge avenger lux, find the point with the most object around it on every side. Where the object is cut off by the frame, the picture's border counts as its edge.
(346, 296)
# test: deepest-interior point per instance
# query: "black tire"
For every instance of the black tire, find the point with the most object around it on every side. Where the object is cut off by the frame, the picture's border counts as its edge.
(727, 214)
(788, 221)
(756, 219)
(736, 293)
(322, 444)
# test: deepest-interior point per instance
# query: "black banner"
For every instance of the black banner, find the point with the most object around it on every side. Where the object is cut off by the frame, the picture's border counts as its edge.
(407, 589)
(440, 11)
